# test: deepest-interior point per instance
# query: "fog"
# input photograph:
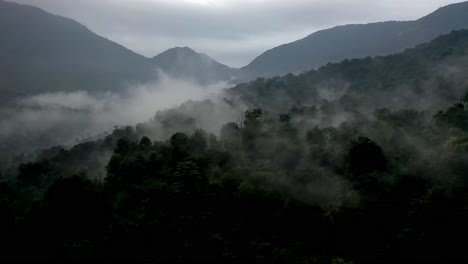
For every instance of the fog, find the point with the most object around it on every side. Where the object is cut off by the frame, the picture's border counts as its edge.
(336, 109)
(63, 118)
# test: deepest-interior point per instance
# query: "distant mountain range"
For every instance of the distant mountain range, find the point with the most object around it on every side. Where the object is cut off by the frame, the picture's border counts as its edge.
(41, 52)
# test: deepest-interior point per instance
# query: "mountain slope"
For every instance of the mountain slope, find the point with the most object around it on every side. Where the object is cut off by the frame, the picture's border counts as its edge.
(42, 52)
(426, 77)
(356, 41)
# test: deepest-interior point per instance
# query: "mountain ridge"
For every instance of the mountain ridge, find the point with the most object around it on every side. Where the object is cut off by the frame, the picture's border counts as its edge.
(49, 53)
(355, 41)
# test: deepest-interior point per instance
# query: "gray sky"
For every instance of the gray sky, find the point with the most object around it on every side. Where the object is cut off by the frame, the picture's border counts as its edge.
(232, 31)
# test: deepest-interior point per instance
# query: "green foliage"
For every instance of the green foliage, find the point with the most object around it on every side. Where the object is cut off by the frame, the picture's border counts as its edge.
(267, 191)
(343, 181)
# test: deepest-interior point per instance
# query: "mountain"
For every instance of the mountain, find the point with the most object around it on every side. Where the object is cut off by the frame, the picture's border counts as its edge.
(355, 41)
(426, 77)
(183, 62)
(41, 52)
(47, 53)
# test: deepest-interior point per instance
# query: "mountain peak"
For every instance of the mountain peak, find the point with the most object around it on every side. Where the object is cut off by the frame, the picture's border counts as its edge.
(186, 63)
(184, 50)
(453, 15)
(182, 53)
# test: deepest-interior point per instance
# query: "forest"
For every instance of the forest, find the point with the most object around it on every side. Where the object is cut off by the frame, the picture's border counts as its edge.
(363, 161)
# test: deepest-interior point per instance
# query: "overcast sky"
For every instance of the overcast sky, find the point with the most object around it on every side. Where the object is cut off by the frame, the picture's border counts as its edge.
(232, 31)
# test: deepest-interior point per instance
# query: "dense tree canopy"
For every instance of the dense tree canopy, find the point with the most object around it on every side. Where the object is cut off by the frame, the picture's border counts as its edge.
(299, 177)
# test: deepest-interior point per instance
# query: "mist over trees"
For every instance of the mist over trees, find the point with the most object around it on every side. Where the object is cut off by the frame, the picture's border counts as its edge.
(358, 162)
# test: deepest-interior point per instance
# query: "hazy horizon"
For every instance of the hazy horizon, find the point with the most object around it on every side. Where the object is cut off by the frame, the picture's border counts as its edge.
(149, 27)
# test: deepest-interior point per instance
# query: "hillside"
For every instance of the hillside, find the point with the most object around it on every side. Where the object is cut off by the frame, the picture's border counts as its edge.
(42, 52)
(355, 41)
(425, 77)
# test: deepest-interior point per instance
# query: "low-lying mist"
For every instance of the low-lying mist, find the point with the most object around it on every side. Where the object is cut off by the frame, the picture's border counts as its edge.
(65, 118)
